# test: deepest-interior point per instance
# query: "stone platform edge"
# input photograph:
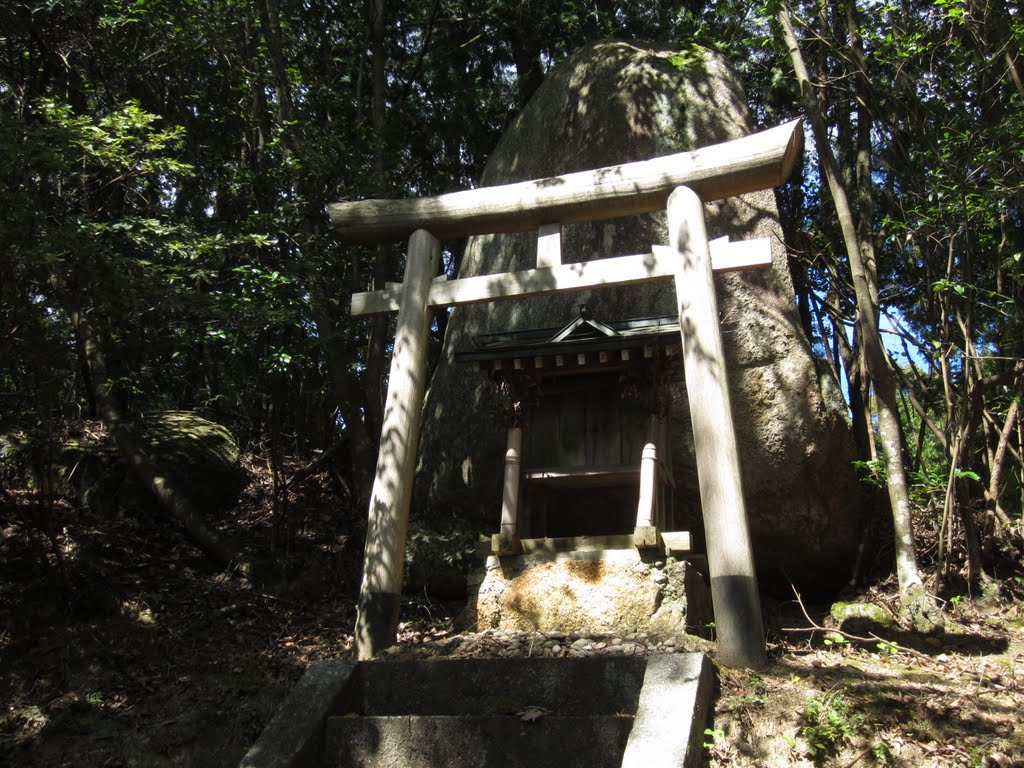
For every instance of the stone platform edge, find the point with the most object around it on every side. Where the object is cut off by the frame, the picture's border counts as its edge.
(293, 737)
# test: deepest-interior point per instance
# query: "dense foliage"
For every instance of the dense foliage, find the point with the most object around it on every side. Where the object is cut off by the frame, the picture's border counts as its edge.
(165, 168)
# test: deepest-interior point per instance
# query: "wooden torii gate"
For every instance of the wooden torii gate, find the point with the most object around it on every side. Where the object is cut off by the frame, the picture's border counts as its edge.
(683, 182)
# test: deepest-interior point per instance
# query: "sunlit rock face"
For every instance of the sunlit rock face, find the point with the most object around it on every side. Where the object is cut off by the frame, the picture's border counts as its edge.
(612, 591)
(615, 102)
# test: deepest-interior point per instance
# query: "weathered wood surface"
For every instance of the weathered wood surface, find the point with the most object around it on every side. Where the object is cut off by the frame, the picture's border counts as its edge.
(646, 509)
(619, 270)
(586, 430)
(509, 531)
(730, 556)
(380, 593)
(584, 477)
(677, 541)
(760, 161)
(673, 542)
(549, 245)
(647, 537)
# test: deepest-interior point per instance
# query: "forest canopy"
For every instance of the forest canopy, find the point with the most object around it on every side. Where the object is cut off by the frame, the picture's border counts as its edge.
(166, 166)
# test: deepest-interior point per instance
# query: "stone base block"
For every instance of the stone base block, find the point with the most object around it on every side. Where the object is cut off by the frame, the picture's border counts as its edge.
(593, 591)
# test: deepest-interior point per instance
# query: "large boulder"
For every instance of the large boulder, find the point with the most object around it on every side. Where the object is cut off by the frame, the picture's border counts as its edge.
(616, 102)
(201, 457)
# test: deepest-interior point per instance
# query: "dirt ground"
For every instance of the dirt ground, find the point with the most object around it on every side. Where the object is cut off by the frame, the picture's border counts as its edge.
(122, 645)
(957, 701)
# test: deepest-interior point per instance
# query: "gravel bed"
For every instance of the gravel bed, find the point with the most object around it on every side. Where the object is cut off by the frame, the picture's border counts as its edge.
(512, 643)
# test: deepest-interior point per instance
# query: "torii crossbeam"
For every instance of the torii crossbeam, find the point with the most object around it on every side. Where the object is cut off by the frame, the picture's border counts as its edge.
(682, 182)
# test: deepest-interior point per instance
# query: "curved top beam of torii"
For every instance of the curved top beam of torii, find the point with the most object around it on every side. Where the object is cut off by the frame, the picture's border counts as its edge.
(759, 161)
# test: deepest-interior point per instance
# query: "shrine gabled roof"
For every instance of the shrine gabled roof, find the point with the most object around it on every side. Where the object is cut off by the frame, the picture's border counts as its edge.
(583, 334)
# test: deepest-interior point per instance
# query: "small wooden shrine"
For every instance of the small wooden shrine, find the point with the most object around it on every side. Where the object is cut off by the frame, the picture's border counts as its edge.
(588, 450)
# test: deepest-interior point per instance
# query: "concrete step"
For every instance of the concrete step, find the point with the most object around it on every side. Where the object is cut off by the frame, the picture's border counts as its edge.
(410, 741)
(633, 712)
(573, 686)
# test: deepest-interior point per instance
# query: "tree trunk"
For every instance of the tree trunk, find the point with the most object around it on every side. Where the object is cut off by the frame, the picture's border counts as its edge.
(992, 505)
(917, 605)
(364, 451)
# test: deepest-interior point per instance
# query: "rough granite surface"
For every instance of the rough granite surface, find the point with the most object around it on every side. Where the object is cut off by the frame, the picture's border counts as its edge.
(615, 102)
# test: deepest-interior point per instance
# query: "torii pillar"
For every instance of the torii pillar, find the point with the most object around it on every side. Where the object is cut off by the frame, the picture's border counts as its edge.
(384, 559)
(738, 625)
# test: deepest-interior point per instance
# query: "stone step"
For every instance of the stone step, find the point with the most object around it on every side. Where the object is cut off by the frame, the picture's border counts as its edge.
(411, 741)
(580, 686)
(635, 712)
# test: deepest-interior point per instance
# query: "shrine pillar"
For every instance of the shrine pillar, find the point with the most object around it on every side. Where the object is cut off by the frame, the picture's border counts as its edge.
(381, 591)
(738, 624)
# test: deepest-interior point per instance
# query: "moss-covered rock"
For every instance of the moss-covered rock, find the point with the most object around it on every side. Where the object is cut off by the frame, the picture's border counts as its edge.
(863, 619)
(199, 455)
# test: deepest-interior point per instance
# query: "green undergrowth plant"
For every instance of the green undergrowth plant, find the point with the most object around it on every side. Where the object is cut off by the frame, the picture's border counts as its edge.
(712, 736)
(829, 722)
(751, 694)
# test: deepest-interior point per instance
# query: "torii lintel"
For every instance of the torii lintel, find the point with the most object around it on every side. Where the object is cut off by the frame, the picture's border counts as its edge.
(748, 164)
